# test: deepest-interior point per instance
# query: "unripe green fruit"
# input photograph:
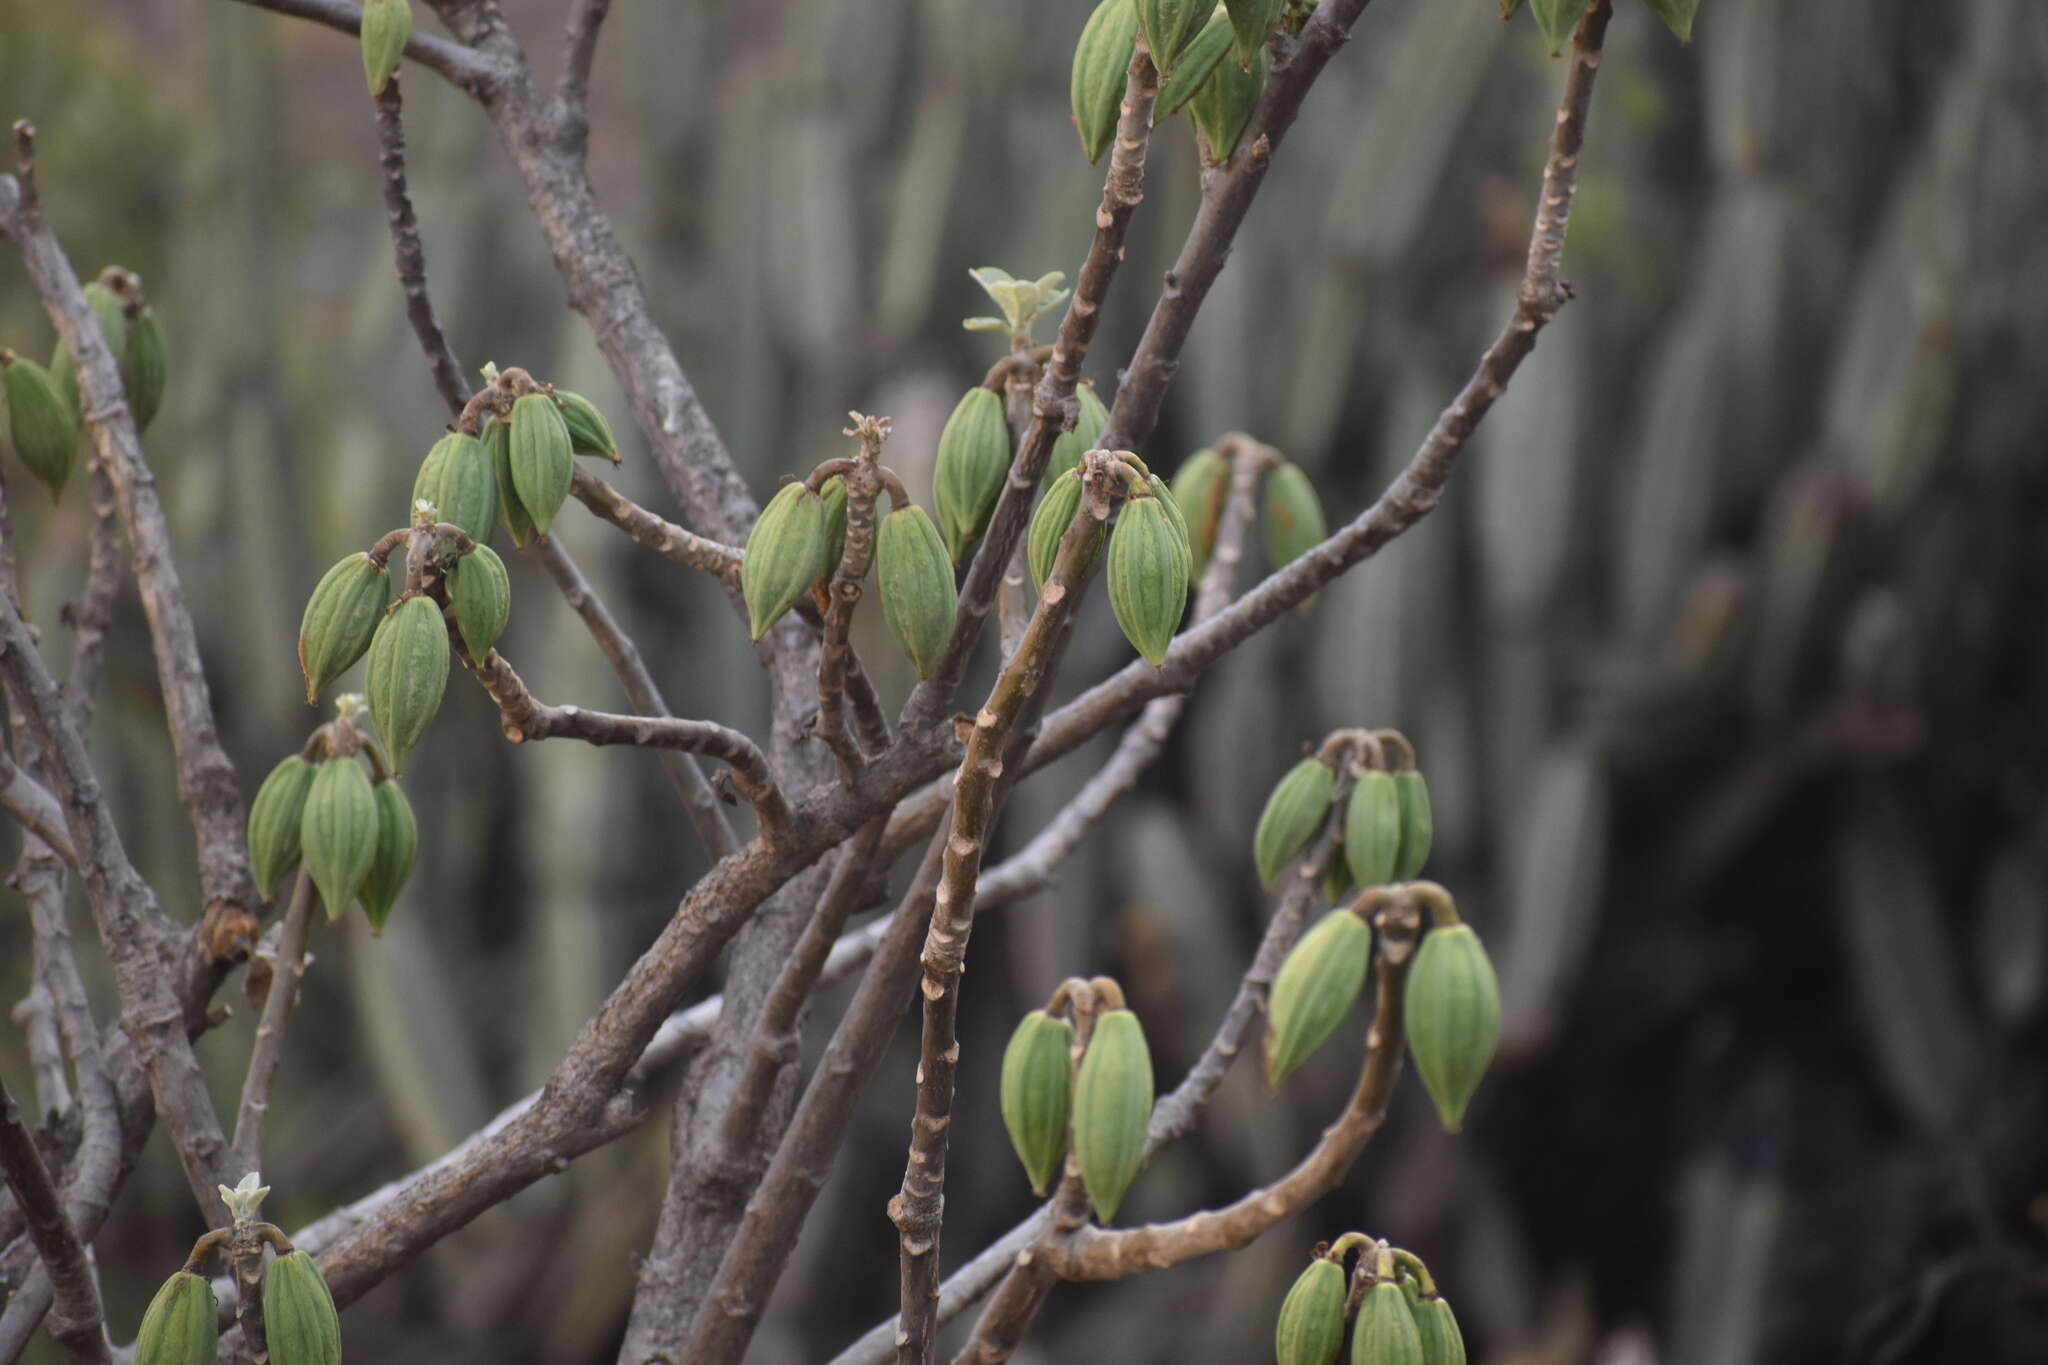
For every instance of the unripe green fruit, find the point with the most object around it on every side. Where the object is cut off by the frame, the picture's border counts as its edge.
(44, 431)
(338, 832)
(1314, 989)
(1201, 486)
(1037, 1094)
(1100, 61)
(1112, 1107)
(543, 466)
(341, 619)
(1418, 826)
(1311, 1326)
(1089, 424)
(480, 592)
(113, 327)
(1194, 67)
(458, 479)
(915, 575)
(398, 842)
(274, 819)
(181, 1326)
(968, 472)
(1252, 22)
(408, 673)
(1049, 523)
(1292, 515)
(1169, 26)
(1294, 812)
(784, 556)
(1452, 1011)
(1372, 828)
(1384, 1332)
(589, 432)
(497, 439)
(1222, 108)
(300, 1325)
(1148, 576)
(1436, 1325)
(147, 367)
(833, 492)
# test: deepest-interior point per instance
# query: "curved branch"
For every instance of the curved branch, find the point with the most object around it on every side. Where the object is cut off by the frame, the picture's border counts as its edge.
(473, 71)
(75, 1318)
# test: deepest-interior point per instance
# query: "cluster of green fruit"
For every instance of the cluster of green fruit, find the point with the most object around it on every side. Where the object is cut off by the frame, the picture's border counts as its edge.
(353, 829)
(1390, 1306)
(1087, 1089)
(43, 413)
(1290, 513)
(181, 1326)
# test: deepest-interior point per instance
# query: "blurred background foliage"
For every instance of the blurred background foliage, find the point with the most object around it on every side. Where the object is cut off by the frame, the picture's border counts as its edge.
(1723, 657)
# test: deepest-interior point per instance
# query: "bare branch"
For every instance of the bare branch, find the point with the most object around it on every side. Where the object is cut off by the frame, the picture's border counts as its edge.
(75, 1321)
(579, 53)
(663, 537)
(31, 804)
(473, 71)
(863, 480)
(409, 253)
(287, 970)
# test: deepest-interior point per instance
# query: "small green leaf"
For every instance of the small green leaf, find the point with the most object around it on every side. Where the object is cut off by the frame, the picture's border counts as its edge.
(1677, 15)
(1557, 19)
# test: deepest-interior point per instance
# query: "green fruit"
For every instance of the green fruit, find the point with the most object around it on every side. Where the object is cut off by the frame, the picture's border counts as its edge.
(398, 842)
(1384, 1333)
(181, 1326)
(1453, 1017)
(481, 595)
(1201, 486)
(1089, 425)
(386, 26)
(1311, 1326)
(1100, 61)
(1169, 27)
(457, 477)
(1112, 1106)
(968, 473)
(1037, 1094)
(1252, 22)
(299, 1322)
(408, 672)
(915, 575)
(785, 554)
(44, 431)
(1294, 812)
(1372, 829)
(146, 362)
(1180, 523)
(1194, 66)
(589, 433)
(1436, 1325)
(1417, 825)
(1049, 523)
(1314, 989)
(341, 619)
(1148, 576)
(833, 491)
(497, 439)
(543, 466)
(274, 818)
(1224, 104)
(113, 327)
(339, 832)
(1292, 514)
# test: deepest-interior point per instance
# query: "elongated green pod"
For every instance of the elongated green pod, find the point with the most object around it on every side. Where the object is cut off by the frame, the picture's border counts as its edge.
(40, 423)
(1372, 828)
(784, 556)
(915, 575)
(338, 832)
(398, 843)
(1311, 1326)
(147, 366)
(1436, 1325)
(512, 513)
(1314, 989)
(1089, 425)
(834, 495)
(480, 591)
(1169, 27)
(1112, 1106)
(968, 472)
(1037, 1094)
(1100, 60)
(274, 818)
(1049, 523)
(1384, 1331)
(1292, 515)
(1223, 106)
(300, 1325)
(1148, 576)
(181, 1326)
(1418, 826)
(1251, 23)
(1452, 1011)
(458, 478)
(408, 673)
(1194, 66)
(1200, 488)
(341, 619)
(589, 432)
(1295, 810)
(543, 465)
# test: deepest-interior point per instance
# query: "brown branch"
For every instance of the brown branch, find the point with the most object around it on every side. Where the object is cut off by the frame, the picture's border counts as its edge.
(663, 537)
(75, 1318)
(32, 806)
(473, 71)
(918, 1209)
(1053, 407)
(863, 481)
(287, 971)
(409, 254)
(579, 53)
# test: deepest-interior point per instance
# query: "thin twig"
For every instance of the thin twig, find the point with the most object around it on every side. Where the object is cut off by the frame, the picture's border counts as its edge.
(287, 970)
(473, 71)
(408, 253)
(32, 806)
(579, 53)
(663, 537)
(863, 480)
(75, 1317)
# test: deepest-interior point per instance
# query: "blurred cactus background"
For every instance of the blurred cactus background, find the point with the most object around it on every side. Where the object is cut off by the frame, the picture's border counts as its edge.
(1725, 654)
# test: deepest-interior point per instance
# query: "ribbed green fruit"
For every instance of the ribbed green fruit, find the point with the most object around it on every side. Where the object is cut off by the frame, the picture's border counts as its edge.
(1314, 990)
(1372, 828)
(833, 492)
(458, 479)
(784, 556)
(106, 306)
(1452, 1012)
(274, 818)
(1049, 523)
(1292, 515)
(147, 367)
(512, 513)
(1436, 1325)
(300, 1325)
(1112, 1106)
(1252, 22)
(41, 425)
(1179, 522)
(386, 26)
(543, 465)
(1194, 65)
(398, 843)
(915, 576)
(1100, 61)
(480, 592)
(1200, 488)
(1299, 804)
(341, 619)
(1089, 424)
(1037, 1094)
(968, 472)
(1384, 1333)
(338, 832)
(1169, 27)
(1222, 108)
(1311, 1326)
(408, 672)
(589, 432)
(181, 1326)
(1418, 826)
(1148, 573)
